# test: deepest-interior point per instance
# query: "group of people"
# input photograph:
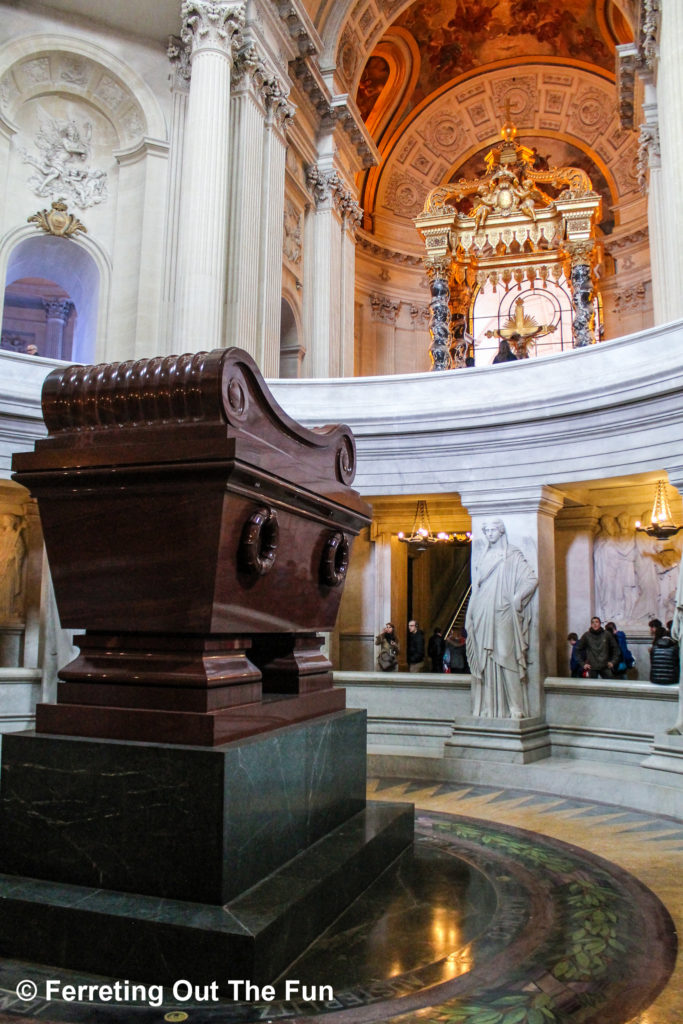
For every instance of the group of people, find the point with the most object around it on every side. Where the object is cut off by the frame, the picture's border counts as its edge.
(603, 651)
(445, 653)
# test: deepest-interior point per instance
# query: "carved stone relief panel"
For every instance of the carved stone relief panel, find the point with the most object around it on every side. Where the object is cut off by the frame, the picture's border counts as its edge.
(635, 575)
(13, 552)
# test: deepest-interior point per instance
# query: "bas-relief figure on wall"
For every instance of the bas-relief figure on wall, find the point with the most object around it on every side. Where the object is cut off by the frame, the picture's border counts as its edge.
(635, 574)
(64, 149)
(13, 551)
(677, 634)
(497, 623)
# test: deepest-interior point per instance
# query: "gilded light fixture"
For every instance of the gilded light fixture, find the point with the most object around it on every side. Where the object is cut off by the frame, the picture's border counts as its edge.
(422, 536)
(504, 229)
(661, 520)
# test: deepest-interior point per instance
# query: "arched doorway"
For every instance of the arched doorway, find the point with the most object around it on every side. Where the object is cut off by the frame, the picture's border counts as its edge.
(291, 350)
(51, 291)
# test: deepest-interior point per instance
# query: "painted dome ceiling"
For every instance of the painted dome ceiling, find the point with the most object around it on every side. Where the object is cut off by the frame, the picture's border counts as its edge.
(550, 63)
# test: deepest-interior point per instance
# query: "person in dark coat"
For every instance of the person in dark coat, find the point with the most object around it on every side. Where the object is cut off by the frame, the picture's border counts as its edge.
(416, 647)
(627, 660)
(664, 656)
(599, 651)
(575, 663)
(435, 650)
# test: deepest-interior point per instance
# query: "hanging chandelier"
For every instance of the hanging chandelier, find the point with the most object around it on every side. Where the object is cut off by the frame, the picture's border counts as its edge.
(422, 536)
(662, 524)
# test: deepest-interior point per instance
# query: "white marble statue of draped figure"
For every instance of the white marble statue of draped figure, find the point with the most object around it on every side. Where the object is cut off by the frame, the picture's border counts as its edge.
(497, 623)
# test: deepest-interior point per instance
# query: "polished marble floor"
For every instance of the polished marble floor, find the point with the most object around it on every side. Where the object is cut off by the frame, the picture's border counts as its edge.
(513, 908)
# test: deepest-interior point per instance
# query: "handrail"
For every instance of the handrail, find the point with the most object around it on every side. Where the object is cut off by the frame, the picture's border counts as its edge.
(458, 610)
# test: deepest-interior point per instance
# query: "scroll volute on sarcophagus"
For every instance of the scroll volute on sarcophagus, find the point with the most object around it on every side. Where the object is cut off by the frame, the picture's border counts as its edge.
(176, 496)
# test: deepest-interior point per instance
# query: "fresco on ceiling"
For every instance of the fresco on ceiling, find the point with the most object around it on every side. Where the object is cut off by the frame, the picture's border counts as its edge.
(373, 80)
(455, 37)
(551, 153)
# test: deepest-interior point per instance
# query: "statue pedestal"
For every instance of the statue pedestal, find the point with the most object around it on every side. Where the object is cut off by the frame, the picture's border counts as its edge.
(511, 740)
(667, 755)
(160, 862)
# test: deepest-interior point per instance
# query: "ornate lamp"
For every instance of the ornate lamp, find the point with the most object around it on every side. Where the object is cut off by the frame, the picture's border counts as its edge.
(422, 536)
(662, 524)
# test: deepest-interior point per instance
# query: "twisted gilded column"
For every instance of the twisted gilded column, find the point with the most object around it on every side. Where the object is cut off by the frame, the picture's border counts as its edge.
(213, 33)
(439, 331)
(581, 282)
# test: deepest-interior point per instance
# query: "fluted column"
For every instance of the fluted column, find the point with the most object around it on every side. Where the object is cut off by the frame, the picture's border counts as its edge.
(213, 32)
(179, 56)
(352, 216)
(57, 313)
(327, 275)
(669, 77)
(260, 115)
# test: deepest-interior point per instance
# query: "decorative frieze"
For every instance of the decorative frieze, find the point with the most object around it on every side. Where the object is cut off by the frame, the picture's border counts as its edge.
(387, 255)
(333, 110)
(384, 309)
(631, 300)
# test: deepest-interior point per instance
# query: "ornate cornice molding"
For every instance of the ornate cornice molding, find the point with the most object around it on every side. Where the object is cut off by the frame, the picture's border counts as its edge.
(300, 28)
(327, 188)
(212, 26)
(634, 238)
(334, 110)
(387, 255)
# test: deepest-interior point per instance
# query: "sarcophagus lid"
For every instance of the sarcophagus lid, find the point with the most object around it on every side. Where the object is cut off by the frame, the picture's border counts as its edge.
(176, 495)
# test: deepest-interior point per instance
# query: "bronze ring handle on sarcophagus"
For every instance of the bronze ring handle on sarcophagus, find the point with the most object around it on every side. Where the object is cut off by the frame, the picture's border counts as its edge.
(259, 543)
(335, 560)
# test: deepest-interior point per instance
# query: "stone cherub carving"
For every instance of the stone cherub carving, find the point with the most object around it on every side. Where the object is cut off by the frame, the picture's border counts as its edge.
(497, 623)
(64, 149)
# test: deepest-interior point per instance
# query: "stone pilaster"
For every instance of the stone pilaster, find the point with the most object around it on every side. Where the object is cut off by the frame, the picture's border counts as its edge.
(179, 56)
(328, 276)
(212, 31)
(575, 530)
(260, 114)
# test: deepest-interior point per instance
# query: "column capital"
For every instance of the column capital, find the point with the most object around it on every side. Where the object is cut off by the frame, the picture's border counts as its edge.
(329, 190)
(178, 53)
(251, 71)
(582, 518)
(649, 153)
(58, 309)
(212, 26)
(543, 500)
